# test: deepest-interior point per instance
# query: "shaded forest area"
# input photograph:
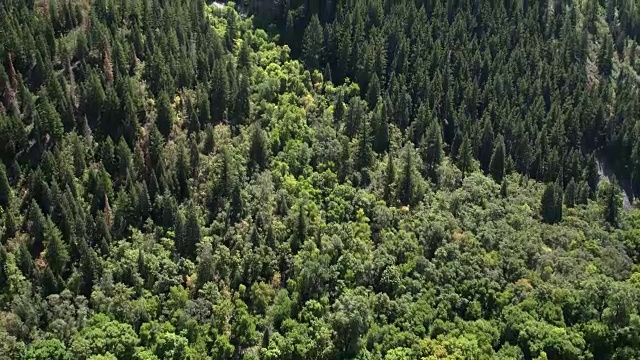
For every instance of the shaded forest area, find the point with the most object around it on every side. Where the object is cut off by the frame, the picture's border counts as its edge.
(380, 180)
(558, 80)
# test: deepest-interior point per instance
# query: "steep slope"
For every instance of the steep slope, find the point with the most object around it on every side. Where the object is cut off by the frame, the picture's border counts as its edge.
(174, 185)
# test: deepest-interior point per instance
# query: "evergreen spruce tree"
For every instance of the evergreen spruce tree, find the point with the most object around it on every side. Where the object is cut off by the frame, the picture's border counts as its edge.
(182, 174)
(4, 277)
(486, 146)
(241, 108)
(89, 265)
(583, 193)
(570, 194)
(236, 210)
(10, 226)
(592, 176)
(605, 56)
(300, 231)
(144, 202)
(56, 252)
(37, 223)
(389, 183)
(25, 261)
(180, 231)
(166, 114)
(5, 188)
(548, 204)
(373, 92)
(497, 164)
(365, 153)
(204, 108)
(504, 191)
(79, 161)
(258, 151)
(407, 183)
(338, 110)
(220, 91)
(206, 265)
(380, 129)
(431, 151)
(192, 230)
(209, 140)
(465, 156)
(559, 196)
(50, 283)
(613, 203)
(313, 43)
(143, 270)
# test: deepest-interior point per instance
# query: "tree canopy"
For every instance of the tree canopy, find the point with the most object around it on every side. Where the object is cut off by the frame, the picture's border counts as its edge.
(319, 180)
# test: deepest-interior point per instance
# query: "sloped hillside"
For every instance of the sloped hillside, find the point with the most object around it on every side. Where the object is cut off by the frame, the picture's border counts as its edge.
(175, 185)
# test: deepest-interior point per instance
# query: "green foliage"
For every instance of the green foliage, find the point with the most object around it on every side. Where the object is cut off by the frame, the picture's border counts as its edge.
(498, 161)
(313, 43)
(102, 336)
(5, 188)
(176, 183)
(48, 349)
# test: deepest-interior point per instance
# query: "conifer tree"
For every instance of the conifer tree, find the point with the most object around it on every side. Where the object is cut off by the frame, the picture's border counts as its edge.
(551, 206)
(355, 116)
(389, 183)
(79, 161)
(244, 57)
(373, 92)
(206, 265)
(225, 174)
(497, 164)
(605, 56)
(10, 226)
(25, 261)
(300, 231)
(194, 157)
(180, 230)
(583, 193)
(182, 174)
(465, 156)
(613, 202)
(236, 209)
(548, 204)
(209, 140)
(365, 153)
(192, 230)
(241, 108)
(143, 270)
(258, 151)
(37, 223)
(338, 110)
(570, 194)
(89, 264)
(592, 176)
(204, 108)
(380, 129)
(220, 91)
(4, 277)
(431, 151)
(504, 190)
(313, 43)
(5, 188)
(166, 114)
(486, 146)
(144, 202)
(407, 182)
(56, 252)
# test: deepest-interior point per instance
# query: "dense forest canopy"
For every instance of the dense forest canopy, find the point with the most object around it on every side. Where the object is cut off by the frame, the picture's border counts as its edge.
(318, 180)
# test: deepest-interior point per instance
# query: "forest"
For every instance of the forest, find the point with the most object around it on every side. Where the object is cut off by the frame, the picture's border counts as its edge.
(341, 179)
